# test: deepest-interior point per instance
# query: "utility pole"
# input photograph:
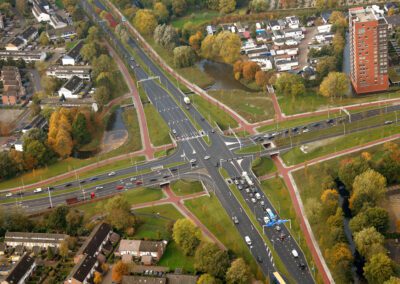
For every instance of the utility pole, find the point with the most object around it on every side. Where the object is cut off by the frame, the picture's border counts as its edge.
(51, 202)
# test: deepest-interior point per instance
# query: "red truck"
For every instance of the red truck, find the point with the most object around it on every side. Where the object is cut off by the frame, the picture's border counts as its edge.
(92, 195)
(72, 200)
(119, 187)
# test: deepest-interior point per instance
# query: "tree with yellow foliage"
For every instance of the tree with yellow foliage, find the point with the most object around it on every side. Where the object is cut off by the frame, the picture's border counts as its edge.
(145, 21)
(119, 269)
(336, 84)
(98, 278)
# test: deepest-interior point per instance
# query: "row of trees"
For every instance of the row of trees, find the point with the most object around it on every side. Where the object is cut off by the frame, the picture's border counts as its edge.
(208, 257)
(364, 178)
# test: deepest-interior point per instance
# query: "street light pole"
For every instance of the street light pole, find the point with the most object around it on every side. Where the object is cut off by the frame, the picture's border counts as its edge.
(51, 202)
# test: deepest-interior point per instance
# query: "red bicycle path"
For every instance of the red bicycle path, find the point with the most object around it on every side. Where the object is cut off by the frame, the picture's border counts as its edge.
(285, 172)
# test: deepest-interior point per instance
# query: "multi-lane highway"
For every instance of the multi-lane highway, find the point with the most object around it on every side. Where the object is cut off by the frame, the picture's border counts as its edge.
(193, 158)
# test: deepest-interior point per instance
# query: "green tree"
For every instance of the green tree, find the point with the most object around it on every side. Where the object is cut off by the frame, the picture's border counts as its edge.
(209, 258)
(326, 65)
(334, 85)
(102, 66)
(37, 151)
(378, 269)
(259, 6)
(368, 189)
(184, 56)
(330, 201)
(44, 39)
(179, 7)
(118, 212)
(372, 217)
(80, 133)
(74, 220)
(227, 6)
(89, 51)
(186, 235)
(161, 12)
(119, 269)
(207, 279)
(93, 34)
(166, 36)
(50, 84)
(102, 95)
(349, 169)
(56, 220)
(392, 279)
(238, 272)
(368, 242)
(229, 45)
(145, 21)
(63, 249)
(290, 85)
(213, 4)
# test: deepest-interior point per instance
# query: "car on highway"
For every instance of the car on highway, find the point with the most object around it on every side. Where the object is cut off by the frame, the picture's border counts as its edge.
(110, 174)
(99, 187)
(248, 240)
(278, 228)
(139, 182)
(301, 265)
(128, 184)
(258, 196)
(259, 259)
(235, 219)
(93, 178)
(266, 219)
(153, 179)
(193, 161)
(388, 122)
(37, 190)
(206, 157)
(173, 169)
(174, 131)
(262, 203)
(295, 253)
(133, 179)
(68, 184)
(240, 187)
(82, 181)
(9, 194)
(119, 187)
(50, 188)
(305, 130)
(295, 129)
(329, 121)
(253, 200)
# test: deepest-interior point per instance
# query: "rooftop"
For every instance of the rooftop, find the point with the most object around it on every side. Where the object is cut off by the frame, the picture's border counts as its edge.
(143, 279)
(35, 237)
(83, 268)
(97, 236)
(20, 269)
(26, 34)
(71, 85)
(75, 51)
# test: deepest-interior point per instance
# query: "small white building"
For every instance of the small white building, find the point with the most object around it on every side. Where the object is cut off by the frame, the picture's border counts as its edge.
(293, 22)
(294, 33)
(40, 13)
(286, 64)
(57, 22)
(71, 88)
(67, 72)
(73, 56)
(324, 28)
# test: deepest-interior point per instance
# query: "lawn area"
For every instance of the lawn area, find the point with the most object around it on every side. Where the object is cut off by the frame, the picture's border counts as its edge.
(133, 196)
(196, 18)
(158, 129)
(175, 258)
(192, 74)
(154, 221)
(185, 187)
(331, 145)
(252, 106)
(163, 153)
(59, 4)
(250, 149)
(262, 166)
(279, 196)
(211, 213)
(213, 113)
(312, 101)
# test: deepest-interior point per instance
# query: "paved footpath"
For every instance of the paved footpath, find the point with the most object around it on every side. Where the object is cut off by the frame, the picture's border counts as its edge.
(286, 173)
(178, 203)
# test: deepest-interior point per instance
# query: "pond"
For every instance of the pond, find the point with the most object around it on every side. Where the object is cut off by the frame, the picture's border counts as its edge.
(222, 74)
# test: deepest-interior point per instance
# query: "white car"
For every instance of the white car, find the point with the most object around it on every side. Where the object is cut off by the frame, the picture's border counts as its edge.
(193, 161)
(258, 196)
(37, 190)
(253, 200)
(306, 130)
(133, 179)
(266, 220)
(99, 187)
(206, 157)
(248, 240)
(9, 194)
(295, 253)
(111, 174)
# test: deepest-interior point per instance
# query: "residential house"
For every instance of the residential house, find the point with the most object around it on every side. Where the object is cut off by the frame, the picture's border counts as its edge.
(324, 37)
(67, 32)
(19, 146)
(262, 50)
(210, 29)
(71, 88)
(73, 56)
(2, 20)
(41, 10)
(274, 25)
(13, 90)
(293, 33)
(277, 34)
(83, 271)
(67, 72)
(325, 15)
(286, 64)
(30, 240)
(29, 34)
(390, 5)
(293, 22)
(57, 22)
(21, 271)
(147, 251)
(393, 22)
(27, 56)
(324, 28)
(15, 44)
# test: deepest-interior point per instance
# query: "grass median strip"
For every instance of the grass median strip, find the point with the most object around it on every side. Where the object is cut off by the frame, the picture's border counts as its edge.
(184, 187)
(250, 149)
(262, 166)
(158, 129)
(211, 213)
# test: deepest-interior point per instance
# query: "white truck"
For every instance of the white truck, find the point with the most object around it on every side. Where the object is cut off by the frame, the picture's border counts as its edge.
(247, 178)
(186, 100)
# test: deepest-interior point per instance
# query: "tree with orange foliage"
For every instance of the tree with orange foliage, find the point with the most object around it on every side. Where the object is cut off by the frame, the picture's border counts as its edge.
(195, 40)
(250, 69)
(119, 269)
(330, 201)
(262, 78)
(98, 278)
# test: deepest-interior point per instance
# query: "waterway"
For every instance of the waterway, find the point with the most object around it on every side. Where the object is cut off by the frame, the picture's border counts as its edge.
(222, 74)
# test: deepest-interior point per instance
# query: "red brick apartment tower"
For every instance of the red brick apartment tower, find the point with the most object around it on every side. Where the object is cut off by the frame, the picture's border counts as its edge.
(368, 51)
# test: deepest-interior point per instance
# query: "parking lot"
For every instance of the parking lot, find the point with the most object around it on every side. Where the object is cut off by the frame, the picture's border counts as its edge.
(303, 46)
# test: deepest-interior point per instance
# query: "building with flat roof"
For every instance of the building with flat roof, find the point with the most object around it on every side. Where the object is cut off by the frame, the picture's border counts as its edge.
(67, 72)
(61, 33)
(368, 50)
(21, 271)
(30, 240)
(27, 56)
(15, 44)
(73, 56)
(71, 88)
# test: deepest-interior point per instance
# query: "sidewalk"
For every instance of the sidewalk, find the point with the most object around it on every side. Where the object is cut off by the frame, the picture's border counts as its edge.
(177, 202)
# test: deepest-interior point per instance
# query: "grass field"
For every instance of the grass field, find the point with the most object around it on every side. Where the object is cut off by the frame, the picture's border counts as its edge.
(313, 101)
(211, 213)
(278, 194)
(185, 187)
(331, 145)
(175, 258)
(154, 221)
(158, 129)
(195, 17)
(134, 196)
(213, 113)
(250, 149)
(262, 166)
(59, 4)
(253, 107)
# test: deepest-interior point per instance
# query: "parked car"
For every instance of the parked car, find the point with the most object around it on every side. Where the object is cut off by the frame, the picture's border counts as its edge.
(111, 174)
